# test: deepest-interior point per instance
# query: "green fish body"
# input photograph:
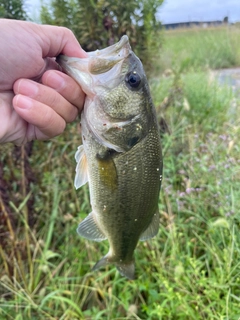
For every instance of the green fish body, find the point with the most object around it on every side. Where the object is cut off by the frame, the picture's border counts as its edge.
(121, 156)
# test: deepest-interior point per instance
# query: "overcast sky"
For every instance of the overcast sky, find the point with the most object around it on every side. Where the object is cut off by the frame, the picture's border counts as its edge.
(178, 10)
(199, 10)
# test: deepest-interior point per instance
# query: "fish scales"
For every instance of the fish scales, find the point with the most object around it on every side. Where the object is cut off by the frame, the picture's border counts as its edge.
(121, 156)
(137, 181)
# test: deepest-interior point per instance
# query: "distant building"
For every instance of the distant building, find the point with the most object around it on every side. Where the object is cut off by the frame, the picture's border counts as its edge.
(190, 24)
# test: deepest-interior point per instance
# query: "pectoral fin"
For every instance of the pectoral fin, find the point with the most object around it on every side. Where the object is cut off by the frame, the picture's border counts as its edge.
(90, 230)
(81, 176)
(152, 229)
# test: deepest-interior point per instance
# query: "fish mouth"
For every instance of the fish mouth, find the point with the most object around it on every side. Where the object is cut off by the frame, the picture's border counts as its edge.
(101, 61)
(110, 62)
(113, 49)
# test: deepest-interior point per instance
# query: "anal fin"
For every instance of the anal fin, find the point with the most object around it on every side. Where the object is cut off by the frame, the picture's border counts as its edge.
(152, 229)
(90, 230)
(101, 263)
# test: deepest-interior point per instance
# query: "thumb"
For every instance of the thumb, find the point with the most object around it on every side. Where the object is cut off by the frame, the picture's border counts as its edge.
(59, 40)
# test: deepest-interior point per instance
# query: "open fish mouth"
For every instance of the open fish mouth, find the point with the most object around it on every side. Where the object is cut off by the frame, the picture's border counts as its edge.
(100, 61)
(108, 63)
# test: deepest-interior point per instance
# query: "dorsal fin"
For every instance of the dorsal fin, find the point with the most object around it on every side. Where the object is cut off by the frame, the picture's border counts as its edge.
(81, 176)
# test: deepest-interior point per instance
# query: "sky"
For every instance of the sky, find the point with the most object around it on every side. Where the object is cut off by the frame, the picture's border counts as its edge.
(199, 10)
(177, 10)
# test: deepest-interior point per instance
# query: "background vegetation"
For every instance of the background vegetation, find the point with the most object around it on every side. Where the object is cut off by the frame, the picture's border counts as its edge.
(12, 9)
(100, 23)
(191, 270)
(200, 48)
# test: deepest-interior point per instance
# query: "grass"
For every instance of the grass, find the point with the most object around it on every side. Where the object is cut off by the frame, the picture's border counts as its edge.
(196, 48)
(191, 270)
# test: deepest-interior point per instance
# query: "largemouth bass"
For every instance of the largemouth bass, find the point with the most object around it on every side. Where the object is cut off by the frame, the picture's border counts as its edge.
(121, 155)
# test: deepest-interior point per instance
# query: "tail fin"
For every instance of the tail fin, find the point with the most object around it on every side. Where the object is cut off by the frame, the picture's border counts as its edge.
(125, 269)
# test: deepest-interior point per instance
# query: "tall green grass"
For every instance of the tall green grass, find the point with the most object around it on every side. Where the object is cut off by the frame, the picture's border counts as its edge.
(190, 270)
(194, 48)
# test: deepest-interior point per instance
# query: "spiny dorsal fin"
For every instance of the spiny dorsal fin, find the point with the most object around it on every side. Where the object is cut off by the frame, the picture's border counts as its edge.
(81, 176)
(90, 230)
(152, 229)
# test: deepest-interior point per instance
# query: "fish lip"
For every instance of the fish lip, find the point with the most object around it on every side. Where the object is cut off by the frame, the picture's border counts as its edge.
(109, 51)
(111, 55)
(123, 43)
(61, 59)
(101, 61)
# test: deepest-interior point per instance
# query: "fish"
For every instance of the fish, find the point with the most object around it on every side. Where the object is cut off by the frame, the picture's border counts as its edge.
(120, 156)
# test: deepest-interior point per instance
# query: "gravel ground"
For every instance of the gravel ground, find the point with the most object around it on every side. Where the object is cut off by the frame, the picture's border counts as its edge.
(230, 77)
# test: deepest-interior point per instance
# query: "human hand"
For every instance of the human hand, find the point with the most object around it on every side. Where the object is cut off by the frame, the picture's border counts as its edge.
(36, 99)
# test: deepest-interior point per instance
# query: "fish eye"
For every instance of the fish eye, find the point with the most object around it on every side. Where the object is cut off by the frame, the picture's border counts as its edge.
(133, 79)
